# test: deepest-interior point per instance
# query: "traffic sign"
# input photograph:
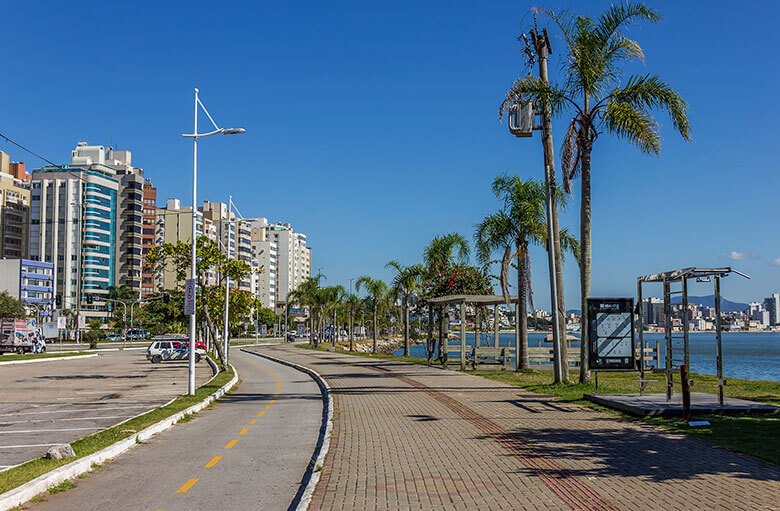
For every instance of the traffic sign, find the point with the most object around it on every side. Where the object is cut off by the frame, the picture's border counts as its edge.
(61, 323)
(189, 297)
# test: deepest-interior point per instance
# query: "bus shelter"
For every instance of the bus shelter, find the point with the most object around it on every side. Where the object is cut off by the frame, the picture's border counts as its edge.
(678, 343)
(480, 352)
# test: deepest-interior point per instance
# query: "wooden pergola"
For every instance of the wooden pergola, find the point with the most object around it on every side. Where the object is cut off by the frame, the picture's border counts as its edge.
(487, 300)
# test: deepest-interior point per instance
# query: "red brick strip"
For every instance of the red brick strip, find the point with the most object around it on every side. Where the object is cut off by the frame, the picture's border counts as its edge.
(573, 492)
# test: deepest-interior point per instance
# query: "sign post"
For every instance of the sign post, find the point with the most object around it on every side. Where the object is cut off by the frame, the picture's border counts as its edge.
(611, 334)
(189, 297)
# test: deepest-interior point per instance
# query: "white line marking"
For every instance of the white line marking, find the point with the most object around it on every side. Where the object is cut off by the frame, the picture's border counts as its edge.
(75, 410)
(22, 446)
(49, 430)
(67, 419)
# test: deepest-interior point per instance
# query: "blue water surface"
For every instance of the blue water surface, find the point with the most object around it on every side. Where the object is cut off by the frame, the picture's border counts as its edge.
(752, 356)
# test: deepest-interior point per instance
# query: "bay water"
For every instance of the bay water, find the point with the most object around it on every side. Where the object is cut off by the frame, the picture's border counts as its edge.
(747, 355)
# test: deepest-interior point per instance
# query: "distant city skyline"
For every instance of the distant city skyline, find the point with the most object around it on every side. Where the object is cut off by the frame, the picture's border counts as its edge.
(374, 130)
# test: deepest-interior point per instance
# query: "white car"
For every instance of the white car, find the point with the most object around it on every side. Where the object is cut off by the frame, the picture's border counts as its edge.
(170, 350)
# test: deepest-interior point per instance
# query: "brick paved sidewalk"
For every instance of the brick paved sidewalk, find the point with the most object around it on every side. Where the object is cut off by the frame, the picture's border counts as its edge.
(412, 437)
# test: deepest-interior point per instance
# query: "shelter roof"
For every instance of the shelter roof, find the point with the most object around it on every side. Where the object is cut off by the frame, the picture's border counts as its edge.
(690, 273)
(480, 299)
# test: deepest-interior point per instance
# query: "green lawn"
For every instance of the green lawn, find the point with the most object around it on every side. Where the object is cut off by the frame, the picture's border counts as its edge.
(29, 356)
(757, 435)
(17, 476)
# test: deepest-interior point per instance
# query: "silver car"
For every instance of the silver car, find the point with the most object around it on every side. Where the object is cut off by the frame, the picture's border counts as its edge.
(170, 350)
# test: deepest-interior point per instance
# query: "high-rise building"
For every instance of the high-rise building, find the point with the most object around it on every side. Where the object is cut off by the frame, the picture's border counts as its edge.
(234, 236)
(293, 257)
(14, 208)
(87, 219)
(149, 235)
(772, 305)
(174, 224)
(73, 225)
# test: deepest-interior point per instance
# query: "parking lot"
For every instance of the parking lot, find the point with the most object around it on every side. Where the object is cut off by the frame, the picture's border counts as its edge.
(58, 402)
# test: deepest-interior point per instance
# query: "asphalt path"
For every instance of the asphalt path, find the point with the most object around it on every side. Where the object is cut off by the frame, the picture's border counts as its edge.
(61, 401)
(250, 450)
(55, 346)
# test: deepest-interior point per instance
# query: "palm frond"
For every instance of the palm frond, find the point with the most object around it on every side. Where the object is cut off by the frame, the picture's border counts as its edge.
(633, 124)
(650, 92)
(619, 16)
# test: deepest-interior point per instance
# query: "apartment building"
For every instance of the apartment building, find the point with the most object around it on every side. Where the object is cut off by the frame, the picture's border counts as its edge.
(30, 281)
(148, 235)
(292, 257)
(73, 225)
(15, 208)
(173, 225)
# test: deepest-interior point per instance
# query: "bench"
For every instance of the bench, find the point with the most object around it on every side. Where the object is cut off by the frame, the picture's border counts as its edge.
(497, 356)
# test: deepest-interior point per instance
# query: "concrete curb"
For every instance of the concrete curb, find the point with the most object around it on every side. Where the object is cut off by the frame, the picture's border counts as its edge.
(47, 359)
(40, 484)
(312, 476)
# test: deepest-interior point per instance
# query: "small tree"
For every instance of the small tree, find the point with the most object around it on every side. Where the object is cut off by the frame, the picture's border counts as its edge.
(11, 307)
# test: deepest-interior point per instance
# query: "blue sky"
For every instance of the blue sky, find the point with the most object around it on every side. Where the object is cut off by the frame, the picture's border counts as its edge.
(373, 126)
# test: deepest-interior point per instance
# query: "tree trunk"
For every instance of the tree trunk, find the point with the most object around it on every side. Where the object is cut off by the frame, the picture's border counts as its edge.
(585, 259)
(431, 341)
(406, 327)
(351, 329)
(213, 329)
(522, 320)
(373, 350)
(335, 328)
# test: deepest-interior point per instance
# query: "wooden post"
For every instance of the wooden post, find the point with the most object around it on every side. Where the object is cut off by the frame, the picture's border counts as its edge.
(463, 336)
(686, 392)
(718, 339)
(495, 325)
(668, 337)
(640, 327)
(685, 321)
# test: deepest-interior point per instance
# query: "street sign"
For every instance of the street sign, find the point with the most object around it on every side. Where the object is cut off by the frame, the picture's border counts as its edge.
(82, 321)
(300, 329)
(49, 329)
(263, 329)
(61, 323)
(189, 297)
(611, 334)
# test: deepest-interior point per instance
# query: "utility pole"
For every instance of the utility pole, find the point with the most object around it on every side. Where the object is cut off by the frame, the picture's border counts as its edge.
(541, 42)
(226, 335)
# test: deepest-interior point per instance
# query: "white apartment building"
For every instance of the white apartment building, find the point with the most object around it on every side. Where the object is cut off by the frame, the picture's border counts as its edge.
(283, 256)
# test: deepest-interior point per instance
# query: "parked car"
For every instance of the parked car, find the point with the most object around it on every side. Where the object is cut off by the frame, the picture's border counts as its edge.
(114, 337)
(199, 346)
(290, 336)
(159, 351)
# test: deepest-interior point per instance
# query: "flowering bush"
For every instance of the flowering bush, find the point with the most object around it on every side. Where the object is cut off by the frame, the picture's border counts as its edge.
(455, 279)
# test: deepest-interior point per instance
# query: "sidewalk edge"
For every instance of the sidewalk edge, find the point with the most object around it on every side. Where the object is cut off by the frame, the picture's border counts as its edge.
(40, 484)
(312, 476)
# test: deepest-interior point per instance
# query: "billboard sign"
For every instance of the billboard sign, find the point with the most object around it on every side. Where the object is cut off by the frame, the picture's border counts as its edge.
(611, 334)
(263, 329)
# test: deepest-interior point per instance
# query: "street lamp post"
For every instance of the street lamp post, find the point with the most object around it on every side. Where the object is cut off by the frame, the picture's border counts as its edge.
(193, 253)
(124, 318)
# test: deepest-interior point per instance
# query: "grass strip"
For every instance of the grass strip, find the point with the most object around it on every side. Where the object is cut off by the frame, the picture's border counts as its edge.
(755, 435)
(91, 444)
(31, 356)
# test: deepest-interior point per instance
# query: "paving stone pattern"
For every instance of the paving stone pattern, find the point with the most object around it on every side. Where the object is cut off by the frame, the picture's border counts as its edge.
(412, 437)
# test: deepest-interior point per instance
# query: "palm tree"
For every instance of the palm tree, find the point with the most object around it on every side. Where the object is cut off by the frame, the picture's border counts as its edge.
(439, 253)
(406, 284)
(307, 295)
(378, 292)
(520, 222)
(332, 297)
(592, 90)
(353, 302)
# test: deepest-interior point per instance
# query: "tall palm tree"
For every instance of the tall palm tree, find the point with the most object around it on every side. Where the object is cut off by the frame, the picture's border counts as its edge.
(406, 284)
(307, 294)
(593, 91)
(353, 302)
(378, 292)
(333, 296)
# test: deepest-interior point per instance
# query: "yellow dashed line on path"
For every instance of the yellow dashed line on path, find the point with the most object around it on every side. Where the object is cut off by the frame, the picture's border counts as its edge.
(260, 413)
(267, 407)
(272, 401)
(213, 461)
(231, 444)
(252, 421)
(243, 431)
(187, 486)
